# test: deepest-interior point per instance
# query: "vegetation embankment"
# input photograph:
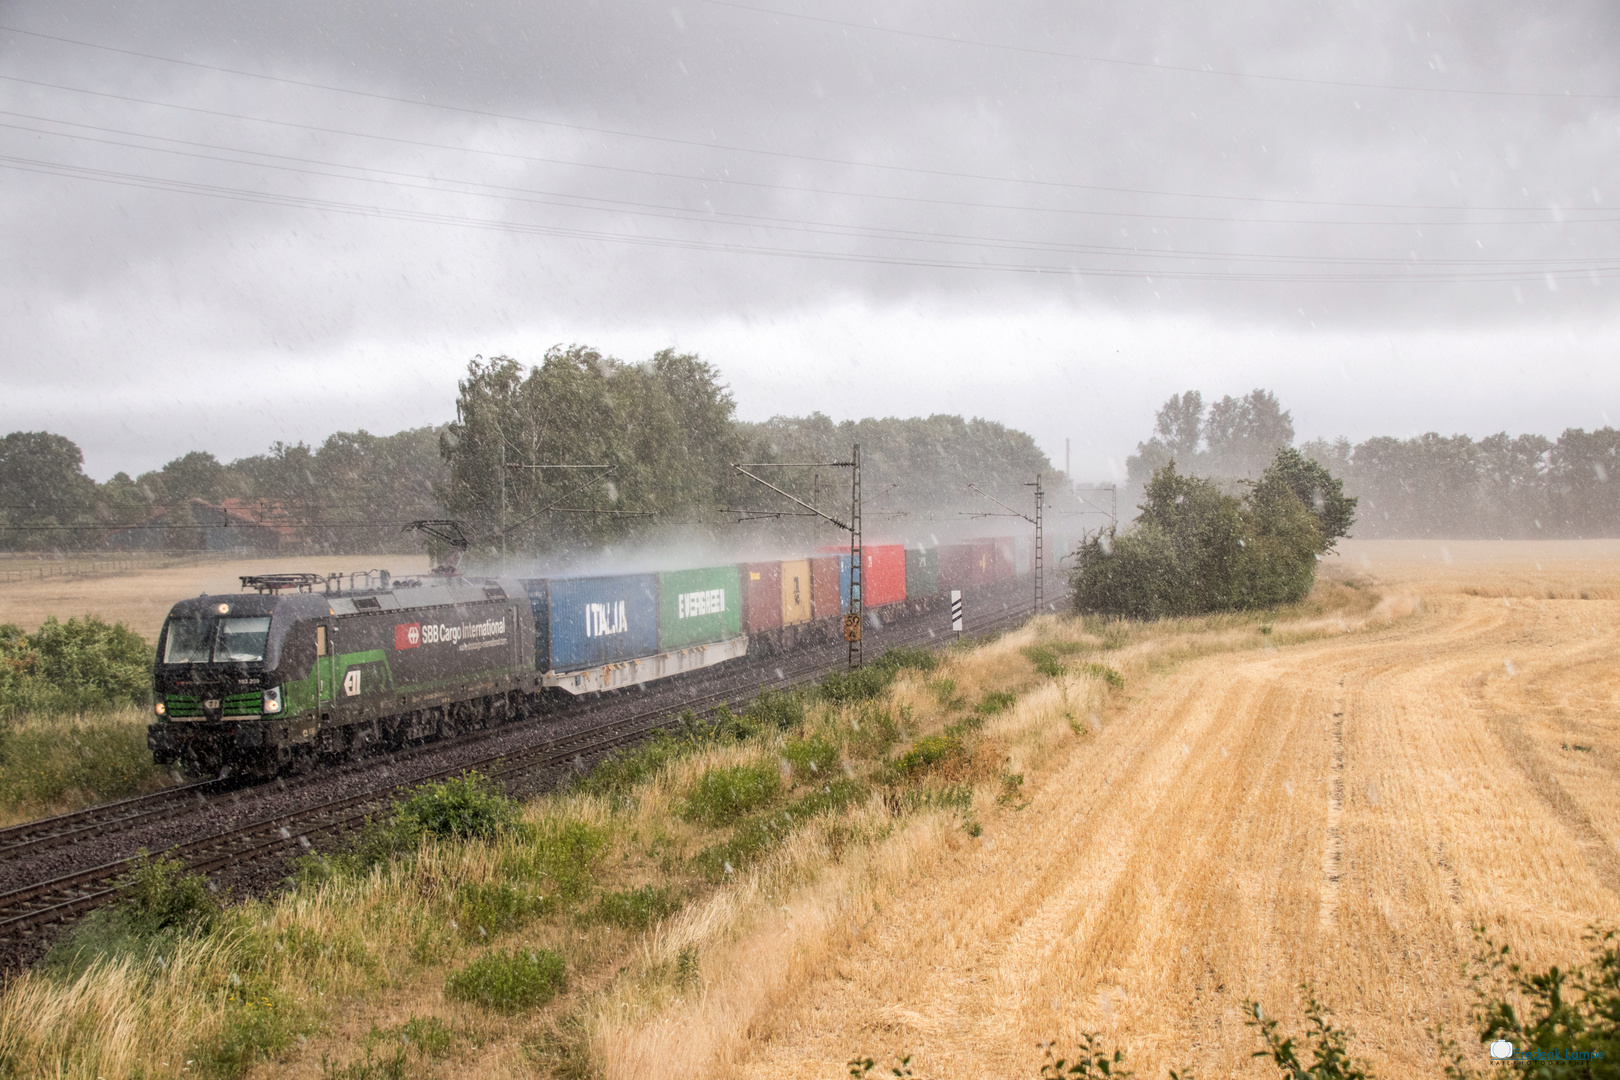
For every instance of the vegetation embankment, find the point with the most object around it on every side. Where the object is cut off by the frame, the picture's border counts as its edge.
(74, 702)
(552, 935)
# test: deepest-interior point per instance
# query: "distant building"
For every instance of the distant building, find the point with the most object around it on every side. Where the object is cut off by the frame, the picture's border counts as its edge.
(196, 525)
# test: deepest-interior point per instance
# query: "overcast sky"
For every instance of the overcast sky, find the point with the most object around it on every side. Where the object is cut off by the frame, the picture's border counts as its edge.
(226, 224)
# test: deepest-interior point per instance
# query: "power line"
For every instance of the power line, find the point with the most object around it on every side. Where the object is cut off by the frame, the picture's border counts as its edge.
(1564, 268)
(729, 147)
(668, 212)
(728, 180)
(1153, 65)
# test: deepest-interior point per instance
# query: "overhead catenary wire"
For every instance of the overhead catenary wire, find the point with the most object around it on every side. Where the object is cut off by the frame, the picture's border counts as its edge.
(1156, 65)
(1549, 215)
(725, 179)
(1607, 267)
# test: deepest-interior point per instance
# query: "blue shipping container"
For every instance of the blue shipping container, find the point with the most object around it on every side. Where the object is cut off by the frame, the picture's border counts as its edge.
(590, 621)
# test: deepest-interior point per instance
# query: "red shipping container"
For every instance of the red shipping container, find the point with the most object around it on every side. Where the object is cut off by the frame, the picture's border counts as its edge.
(761, 595)
(883, 575)
(829, 575)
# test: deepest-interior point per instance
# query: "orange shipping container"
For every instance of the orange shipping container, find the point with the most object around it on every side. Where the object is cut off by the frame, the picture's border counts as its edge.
(795, 592)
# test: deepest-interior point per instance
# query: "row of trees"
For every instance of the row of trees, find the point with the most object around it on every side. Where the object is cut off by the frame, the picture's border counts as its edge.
(566, 455)
(351, 492)
(664, 435)
(1522, 486)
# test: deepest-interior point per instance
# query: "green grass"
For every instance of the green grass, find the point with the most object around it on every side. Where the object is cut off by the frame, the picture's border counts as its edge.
(720, 796)
(635, 909)
(510, 981)
(812, 759)
(52, 764)
(1114, 679)
(995, 701)
(930, 753)
(560, 858)
(757, 835)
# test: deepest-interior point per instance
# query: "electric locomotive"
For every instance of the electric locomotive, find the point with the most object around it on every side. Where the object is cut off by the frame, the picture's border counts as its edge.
(278, 680)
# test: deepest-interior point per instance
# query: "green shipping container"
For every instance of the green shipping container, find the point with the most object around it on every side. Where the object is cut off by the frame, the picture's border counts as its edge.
(922, 572)
(698, 606)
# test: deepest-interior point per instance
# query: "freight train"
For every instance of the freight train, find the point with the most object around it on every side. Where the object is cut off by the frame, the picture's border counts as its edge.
(304, 669)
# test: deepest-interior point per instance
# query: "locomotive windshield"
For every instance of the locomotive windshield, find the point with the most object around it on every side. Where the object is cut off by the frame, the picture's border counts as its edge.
(216, 640)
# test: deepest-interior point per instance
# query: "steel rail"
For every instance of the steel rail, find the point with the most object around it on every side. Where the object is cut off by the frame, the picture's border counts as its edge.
(71, 894)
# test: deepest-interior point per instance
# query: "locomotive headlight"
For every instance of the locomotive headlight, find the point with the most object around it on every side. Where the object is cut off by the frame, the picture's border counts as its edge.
(161, 709)
(272, 700)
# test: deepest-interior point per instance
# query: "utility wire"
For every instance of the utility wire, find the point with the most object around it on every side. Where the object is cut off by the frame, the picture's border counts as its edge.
(619, 133)
(1564, 268)
(728, 180)
(664, 211)
(1154, 65)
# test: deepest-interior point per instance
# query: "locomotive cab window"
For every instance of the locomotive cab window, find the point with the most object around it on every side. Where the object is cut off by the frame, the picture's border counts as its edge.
(238, 639)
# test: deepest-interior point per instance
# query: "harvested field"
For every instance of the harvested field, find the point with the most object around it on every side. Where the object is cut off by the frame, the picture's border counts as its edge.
(142, 596)
(1340, 811)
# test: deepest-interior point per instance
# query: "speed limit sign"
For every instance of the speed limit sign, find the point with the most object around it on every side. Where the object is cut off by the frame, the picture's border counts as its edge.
(852, 628)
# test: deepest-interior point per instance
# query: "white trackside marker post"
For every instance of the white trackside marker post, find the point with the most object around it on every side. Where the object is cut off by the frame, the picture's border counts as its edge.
(956, 611)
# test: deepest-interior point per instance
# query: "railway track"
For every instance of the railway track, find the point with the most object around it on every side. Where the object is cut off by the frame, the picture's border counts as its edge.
(27, 910)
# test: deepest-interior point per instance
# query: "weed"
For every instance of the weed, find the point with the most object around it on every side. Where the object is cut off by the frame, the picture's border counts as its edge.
(636, 909)
(945, 693)
(1330, 1045)
(1045, 659)
(687, 971)
(755, 836)
(811, 759)
(1114, 679)
(1093, 1060)
(427, 1035)
(560, 855)
(563, 1049)
(957, 797)
(368, 1068)
(1012, 786)
(782, 710)
(995, 701)
(873, 732)
(850, 687)
(160, 902)
(618, 773)
(721, 796)
(930, 753)
(510, 981)
(484, 910)
(469, 807)
(259, 1025)
(1559, 1023)
(906, 657)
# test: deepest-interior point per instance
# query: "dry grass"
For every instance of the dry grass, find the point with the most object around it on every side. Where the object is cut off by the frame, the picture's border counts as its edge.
(1340, 810)
(1208, 830)
(140, 599)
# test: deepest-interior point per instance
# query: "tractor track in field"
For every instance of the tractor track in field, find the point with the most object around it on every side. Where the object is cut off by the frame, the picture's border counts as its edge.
(56, 869)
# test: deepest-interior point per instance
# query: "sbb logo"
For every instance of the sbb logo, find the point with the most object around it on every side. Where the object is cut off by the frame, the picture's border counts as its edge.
(407, 635)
